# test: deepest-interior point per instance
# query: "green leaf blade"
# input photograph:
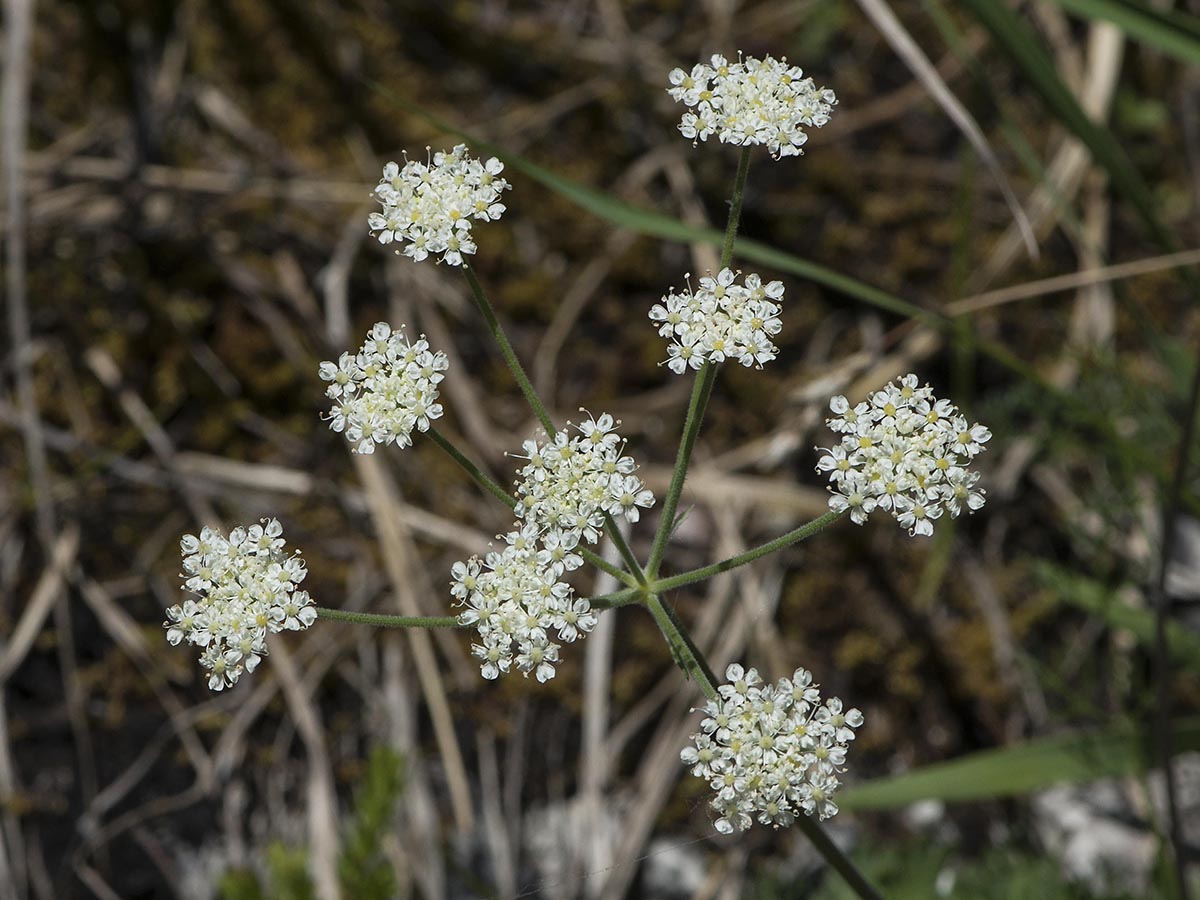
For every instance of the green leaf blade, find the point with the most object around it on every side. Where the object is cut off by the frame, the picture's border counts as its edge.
(1022, 768)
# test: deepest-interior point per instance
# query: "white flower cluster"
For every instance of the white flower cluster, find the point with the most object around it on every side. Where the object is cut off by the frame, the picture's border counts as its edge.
(771, 752)
(751, 101)
(385, 390)
(569, 483)
(722, 320)
(515, 597)
(431, 206)
(904, 451)
(246, 585)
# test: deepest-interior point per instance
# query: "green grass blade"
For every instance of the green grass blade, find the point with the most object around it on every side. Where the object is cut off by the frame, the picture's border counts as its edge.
(1022, 46)
(1099, 600)
(1019, 769)
(1172, 31)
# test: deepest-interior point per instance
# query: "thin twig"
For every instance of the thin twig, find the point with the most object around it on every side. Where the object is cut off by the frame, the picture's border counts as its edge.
(397, 549)
(1072, 280)
(919, 64)
(323, 836)
(17, 25)
(49, 588)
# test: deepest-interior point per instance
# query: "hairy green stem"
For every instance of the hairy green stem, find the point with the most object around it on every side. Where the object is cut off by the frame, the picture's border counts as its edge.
(616, 572)
(735, 207)
(694, 654)
(794, 536)
(691, 428)
(493, 488)
(683, 651)
(506, 349)
(624, 597)
(484, 480)
(625, 550)
(539, 409)
(382, 621)
(691, 660)
(702, 389)
(835, 857)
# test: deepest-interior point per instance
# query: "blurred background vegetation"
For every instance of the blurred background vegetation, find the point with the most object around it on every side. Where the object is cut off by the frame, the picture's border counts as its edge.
(185, 228)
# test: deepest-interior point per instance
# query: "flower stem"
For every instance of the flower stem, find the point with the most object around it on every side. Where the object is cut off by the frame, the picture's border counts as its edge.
(794, 536)
(539, 409)
(624, 597)
(691, 660)
(506, 349)
(735, 207)
(691, 428)
(702, 389)
(624, 549)
(493, 488)
(683, 651)
(473, 470)
(835, 857)
(382, 621)
(616, 572)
